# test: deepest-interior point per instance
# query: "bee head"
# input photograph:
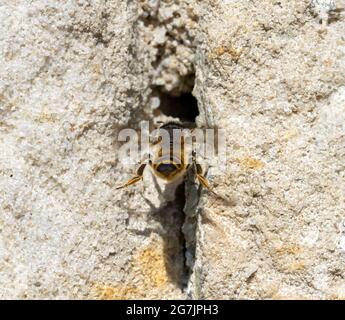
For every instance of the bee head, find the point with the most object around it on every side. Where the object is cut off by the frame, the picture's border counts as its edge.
(167, 169)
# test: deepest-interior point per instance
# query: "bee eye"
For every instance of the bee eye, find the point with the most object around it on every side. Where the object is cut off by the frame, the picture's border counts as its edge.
(166, 168)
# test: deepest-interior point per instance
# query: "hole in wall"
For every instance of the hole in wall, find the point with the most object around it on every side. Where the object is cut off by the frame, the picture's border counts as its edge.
(183, 107)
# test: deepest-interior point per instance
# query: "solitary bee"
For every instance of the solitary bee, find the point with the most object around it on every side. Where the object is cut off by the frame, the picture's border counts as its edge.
(171, 163)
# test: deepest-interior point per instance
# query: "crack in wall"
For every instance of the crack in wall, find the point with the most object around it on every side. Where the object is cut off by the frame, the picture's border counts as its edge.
(163, 51)
(184, 108)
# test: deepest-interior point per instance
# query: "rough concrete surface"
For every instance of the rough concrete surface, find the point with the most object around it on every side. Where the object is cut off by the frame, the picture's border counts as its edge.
(75, 72)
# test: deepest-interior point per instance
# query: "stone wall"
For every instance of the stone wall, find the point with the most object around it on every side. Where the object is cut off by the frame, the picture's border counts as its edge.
(73, 73)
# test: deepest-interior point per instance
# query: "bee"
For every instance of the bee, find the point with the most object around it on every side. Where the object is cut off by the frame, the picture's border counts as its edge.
(169, 164)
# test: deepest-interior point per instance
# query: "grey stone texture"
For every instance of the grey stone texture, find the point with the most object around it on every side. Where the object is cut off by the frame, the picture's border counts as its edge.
(73, 73)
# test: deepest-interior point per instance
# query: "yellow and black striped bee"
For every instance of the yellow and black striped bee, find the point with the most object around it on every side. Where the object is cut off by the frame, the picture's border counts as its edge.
(167, 164)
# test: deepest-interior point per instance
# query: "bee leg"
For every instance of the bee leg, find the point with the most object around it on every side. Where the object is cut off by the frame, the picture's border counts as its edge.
(201, 178)
(203, 181)
(199, 174)
(138, 177)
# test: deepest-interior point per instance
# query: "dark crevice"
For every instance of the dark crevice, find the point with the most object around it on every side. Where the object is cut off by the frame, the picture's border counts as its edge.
(183, 107)
(172, 81)
(180, 200)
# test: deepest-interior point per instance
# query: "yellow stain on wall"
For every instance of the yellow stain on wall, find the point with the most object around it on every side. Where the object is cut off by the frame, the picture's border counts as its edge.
(296, 266)
(233, 52)
(290, 255)
(119, 292)
(151, 274)
(150, 261)
(250, 163)
(289, 250)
